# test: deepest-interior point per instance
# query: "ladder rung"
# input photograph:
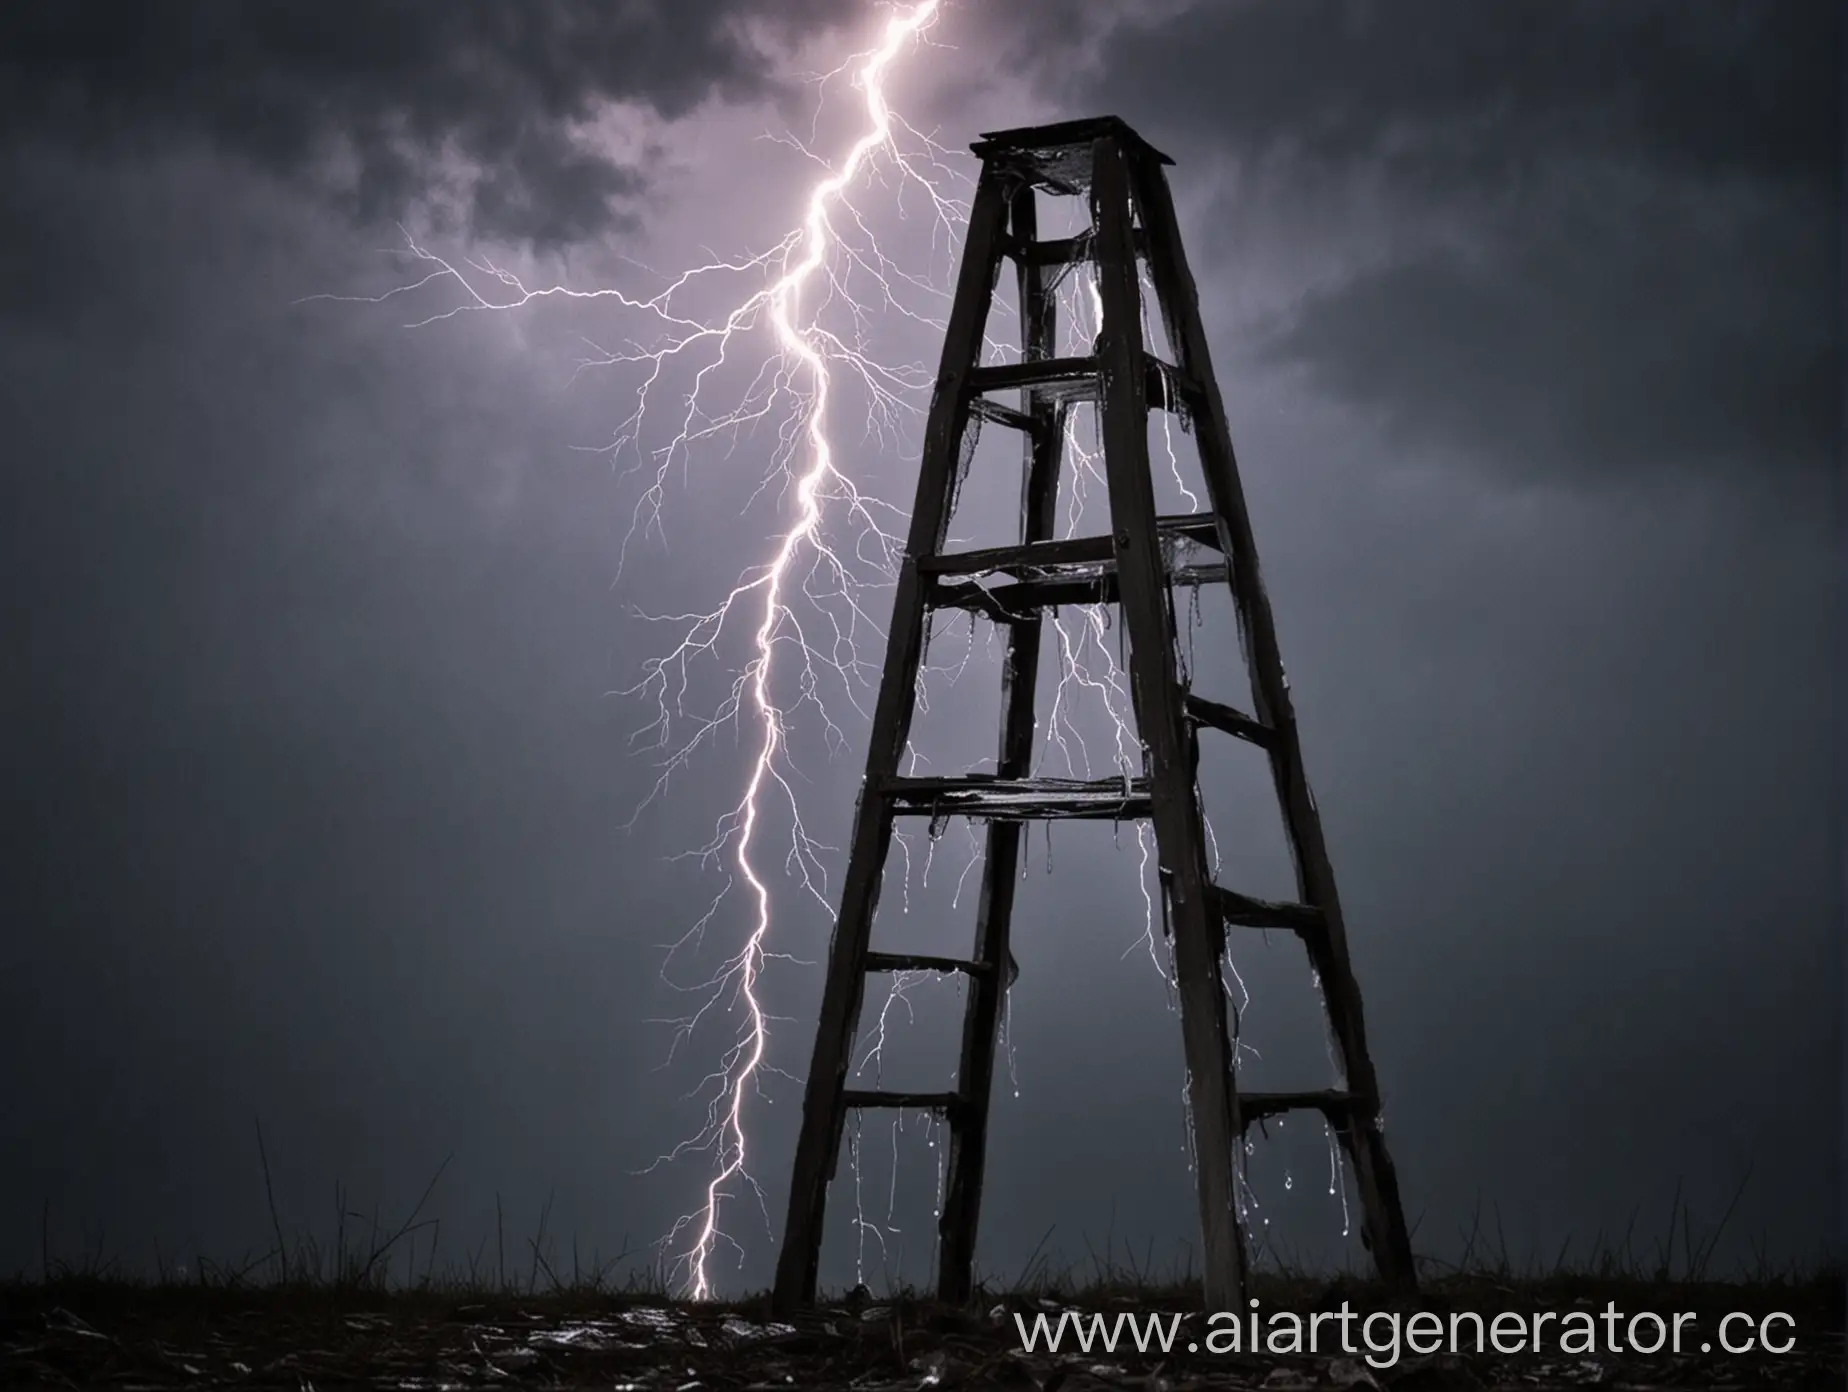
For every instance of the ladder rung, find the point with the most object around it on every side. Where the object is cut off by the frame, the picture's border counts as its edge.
(1066, 251)
(1199, 527)
(1024, 597)
(1256, 1106)
(1077, 379)
(1212, 573)
(909, 1101)
(1022, 601)
(914, 961)
(1019, 799)
(1053, 251)
(998, 414)
(1242, 911)
(1166, 383)
(1037, 555)
(1053, 379)
(1233, 722)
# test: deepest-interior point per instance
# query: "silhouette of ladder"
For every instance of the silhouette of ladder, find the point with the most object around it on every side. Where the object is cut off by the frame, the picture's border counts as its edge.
(1132, 219)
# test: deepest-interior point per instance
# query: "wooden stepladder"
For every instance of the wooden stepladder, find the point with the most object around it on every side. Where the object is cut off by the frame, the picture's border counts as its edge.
(1132, 221)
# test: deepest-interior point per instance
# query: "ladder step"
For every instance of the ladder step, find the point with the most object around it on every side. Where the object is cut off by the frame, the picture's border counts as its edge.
(1201, 527)
(1242, 911)
(1077, 379)
(1052, 251)
(1041, 556)
(1019, 799)
(1168, 387)
(913, 961)
(997, 414)
(1233, 722)
(909, 1101)
(1033, 556)
(1254, 1107)
(1022, 601)
(1066, 251)
(1052, 379)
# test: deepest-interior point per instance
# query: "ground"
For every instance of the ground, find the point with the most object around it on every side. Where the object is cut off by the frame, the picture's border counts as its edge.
(86, 1332)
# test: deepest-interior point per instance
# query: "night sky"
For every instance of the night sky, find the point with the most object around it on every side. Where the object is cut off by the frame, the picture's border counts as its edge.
(322, 795)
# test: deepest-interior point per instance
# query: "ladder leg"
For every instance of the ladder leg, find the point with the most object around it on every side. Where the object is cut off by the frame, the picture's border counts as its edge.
(1383, 1214)
(1155, 689)
(823, 1111)
(962, 1195)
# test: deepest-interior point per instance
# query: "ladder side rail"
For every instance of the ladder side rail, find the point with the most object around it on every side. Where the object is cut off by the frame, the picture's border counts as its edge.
(1179, 301)
(967, 1161)
(824, 1111)
(1165, 733)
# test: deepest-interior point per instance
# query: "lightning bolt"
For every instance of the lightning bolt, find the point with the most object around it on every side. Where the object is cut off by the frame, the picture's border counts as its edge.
(793, 389)
(804, 353)
(817, 263)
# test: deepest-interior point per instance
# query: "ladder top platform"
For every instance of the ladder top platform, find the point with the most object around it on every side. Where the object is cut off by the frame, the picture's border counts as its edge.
(1059, 155)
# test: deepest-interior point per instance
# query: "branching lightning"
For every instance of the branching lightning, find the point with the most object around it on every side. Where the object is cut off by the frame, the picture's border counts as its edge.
(825, 260)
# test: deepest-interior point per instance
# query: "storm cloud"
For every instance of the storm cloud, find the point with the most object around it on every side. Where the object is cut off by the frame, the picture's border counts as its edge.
(1634, 207)
(1527, 318)
(394, 103)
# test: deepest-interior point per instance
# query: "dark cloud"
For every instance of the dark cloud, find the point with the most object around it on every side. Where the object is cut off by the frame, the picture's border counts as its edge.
(1446, 91)
(319, 804)
(378, 100)
(1548, 360)
(1634, 206)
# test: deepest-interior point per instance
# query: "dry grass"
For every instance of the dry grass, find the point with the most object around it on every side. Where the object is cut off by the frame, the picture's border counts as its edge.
(360, 1311)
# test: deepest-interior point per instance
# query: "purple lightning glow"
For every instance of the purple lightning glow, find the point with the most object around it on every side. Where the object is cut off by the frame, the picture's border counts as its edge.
(802, 275)
(798, 344)
(794, 390)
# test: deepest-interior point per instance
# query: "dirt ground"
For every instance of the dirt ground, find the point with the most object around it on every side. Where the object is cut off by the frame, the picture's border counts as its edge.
(120, 1336)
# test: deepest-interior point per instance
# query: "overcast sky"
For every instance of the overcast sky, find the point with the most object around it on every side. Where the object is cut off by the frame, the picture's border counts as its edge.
(322, 801)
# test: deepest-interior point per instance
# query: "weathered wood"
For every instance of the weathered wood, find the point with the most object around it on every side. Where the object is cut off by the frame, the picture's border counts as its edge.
(997, 414)
(823, 1109)
(1242, 911)
(1333, 1104)
(1136, 567)
(1383, 1215)
(906, 1101)
(1193, 576)
(1170, 389)
(1020, 601)
(920, 961)
(1029, 556)
(1041, 556)
(1166, 735)
(1063, 135)
(966, 1161)
(1019, 799)
(1058, 379)
(1201, 527)
(1056, 253)
(1229, 720)
(1024, 602)
(1072, 380)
